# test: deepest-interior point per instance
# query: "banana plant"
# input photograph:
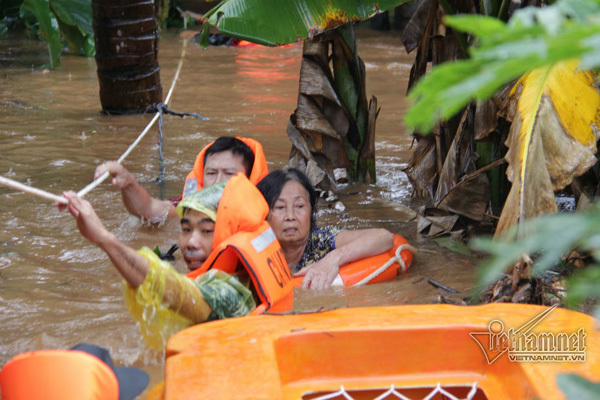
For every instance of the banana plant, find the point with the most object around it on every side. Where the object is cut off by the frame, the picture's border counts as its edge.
(445, 169)
(272, 23)
(533, 38)
(552, 138)
(333, 125)
(58, 21)
(553, 53)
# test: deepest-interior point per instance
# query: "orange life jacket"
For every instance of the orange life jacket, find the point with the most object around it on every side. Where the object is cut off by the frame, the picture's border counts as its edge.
(195, 179)
(243, 236)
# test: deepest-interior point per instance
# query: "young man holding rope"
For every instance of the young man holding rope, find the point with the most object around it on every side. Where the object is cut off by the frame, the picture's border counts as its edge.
(217, 162)
(160, 298)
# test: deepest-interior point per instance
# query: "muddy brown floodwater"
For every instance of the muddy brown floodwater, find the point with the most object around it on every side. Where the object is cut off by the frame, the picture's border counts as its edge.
(57, 289)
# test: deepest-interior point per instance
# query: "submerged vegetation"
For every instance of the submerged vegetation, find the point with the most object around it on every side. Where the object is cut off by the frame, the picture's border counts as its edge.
(554, 133)
(60, 23)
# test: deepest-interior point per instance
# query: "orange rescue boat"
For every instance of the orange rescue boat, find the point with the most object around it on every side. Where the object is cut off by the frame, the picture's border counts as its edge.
(441, 351)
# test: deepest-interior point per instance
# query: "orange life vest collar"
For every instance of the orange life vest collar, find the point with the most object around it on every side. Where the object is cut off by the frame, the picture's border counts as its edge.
(261, 255)
(243, 236)
(195, 179)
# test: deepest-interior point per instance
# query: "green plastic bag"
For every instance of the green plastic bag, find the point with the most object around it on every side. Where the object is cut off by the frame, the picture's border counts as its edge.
(225, 295)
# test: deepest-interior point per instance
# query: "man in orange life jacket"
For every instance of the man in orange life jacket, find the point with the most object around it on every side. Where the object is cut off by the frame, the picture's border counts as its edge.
(217, 162)
(226, 220)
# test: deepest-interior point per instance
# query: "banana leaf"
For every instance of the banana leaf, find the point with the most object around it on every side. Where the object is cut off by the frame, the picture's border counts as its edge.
(466, 197)
(552, 138)
(80, 44)
(48, 26)
(55, 20)
(75, 22)
(76, 13)
(415, 28)
(276, 22)
(333, 126)
(534, 37)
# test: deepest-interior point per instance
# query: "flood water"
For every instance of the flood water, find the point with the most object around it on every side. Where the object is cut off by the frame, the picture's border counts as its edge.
(57, 289)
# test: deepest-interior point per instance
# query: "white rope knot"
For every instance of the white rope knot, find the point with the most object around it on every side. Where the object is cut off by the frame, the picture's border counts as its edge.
(397, 258)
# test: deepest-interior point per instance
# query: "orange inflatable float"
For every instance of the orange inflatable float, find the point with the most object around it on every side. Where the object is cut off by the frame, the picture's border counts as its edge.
(414, 350)
(379, 268)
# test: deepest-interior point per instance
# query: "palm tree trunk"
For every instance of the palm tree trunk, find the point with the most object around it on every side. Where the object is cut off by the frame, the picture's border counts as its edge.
(126, 35)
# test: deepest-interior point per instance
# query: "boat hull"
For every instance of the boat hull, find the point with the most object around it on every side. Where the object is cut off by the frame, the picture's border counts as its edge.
(367, 350)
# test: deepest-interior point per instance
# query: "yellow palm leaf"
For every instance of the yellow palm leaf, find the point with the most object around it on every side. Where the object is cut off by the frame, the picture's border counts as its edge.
(552, 138)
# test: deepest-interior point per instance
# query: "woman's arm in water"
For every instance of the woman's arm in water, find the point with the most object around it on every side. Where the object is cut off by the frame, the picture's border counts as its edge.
(136, 199)
(350, 245)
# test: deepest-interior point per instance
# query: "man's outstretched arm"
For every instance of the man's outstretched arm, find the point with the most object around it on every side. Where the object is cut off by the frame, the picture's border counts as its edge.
(136, 199)
(180, 295)
(131, 265)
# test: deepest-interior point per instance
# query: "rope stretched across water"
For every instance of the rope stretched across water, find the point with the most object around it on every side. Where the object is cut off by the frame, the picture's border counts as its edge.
(160, 108)
(156, 117)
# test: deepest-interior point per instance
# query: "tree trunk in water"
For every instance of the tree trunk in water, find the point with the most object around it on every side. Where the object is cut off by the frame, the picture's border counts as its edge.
(126, 35)
(333, 125)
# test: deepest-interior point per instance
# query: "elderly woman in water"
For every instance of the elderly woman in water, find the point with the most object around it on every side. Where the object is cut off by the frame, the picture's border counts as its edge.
(317, 253)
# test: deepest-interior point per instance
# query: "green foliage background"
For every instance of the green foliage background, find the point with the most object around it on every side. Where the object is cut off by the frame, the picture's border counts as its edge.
(59, 23)
(533, 37)
(274, 23)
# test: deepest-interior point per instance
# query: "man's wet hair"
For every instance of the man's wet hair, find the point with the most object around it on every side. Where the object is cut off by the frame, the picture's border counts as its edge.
(236, 146)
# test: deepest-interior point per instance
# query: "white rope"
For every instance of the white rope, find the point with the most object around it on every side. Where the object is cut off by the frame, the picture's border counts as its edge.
(438, 389)
(392, 391)
(105, 175)
(49, 196)
(31, 190)
(397, 258)
(341, 392)
(183, 48)
(473, 391)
